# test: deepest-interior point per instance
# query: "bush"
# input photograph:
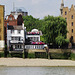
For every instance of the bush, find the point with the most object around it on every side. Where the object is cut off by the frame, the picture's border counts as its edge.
(40, 55)
(31, 55)
(64, 55)
(72, 57)
(67, 41)
(1, 54)
(15, 55)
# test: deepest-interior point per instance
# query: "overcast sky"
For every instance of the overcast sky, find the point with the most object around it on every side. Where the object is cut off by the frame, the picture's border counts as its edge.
(37, 8)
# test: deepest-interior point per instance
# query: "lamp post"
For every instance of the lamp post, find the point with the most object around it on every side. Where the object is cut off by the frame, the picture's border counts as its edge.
(24, 29)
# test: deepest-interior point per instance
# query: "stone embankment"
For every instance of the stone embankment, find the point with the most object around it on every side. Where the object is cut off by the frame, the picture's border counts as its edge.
(35, 62)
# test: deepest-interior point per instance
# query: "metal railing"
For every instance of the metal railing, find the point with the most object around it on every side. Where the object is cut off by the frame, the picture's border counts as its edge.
(34, 46)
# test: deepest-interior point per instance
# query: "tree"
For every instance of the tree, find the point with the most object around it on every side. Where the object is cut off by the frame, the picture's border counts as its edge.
(60, 40)
(54, 28)
(31, 23)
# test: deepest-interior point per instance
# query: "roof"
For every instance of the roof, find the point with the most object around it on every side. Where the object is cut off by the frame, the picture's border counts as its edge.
(19, 9)
(34, 30)
(14, 27)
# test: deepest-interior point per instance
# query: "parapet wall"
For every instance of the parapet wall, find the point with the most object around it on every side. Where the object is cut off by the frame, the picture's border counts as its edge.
(50, 50)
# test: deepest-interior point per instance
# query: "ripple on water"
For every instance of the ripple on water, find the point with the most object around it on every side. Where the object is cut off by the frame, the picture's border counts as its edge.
(37, 70)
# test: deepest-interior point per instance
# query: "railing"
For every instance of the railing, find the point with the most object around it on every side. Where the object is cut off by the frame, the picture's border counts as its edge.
(28, 47)
(33, 33)
(34, 46)
(16, 41)
(18, 49)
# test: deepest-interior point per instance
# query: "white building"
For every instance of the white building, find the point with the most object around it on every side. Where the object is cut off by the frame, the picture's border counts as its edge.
(34, 35)
(15, 36)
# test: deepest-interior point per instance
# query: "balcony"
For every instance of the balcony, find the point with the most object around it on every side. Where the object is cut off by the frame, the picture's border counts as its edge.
(33, 33)
(16, 41)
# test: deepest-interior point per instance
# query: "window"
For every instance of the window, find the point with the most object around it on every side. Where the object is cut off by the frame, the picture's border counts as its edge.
(72, 30)
(11, 47)
(72, 37)
(12, 31)
(72, 23)
(0, 20)
(30, 38)
(72, 16)
(19, 38)
(20, 46)
(65, 13)
(12, 38)
(0, 29)
(15, 46)
(37, 38)
(10, 18)
(34, 38)
(16, 38)
(19, 31)
(0, 37)
(65, 18)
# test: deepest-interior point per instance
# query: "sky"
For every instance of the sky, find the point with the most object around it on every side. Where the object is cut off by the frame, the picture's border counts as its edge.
(37, 8)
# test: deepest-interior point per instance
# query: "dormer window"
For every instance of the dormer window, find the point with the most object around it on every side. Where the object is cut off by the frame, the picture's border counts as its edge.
(65, 13)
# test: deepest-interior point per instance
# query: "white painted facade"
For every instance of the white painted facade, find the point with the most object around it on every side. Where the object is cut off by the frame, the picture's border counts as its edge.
(34, 37)
(14, 34)
(15, 38)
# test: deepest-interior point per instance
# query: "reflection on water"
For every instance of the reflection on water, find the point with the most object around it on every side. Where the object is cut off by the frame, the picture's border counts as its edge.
(37, 70)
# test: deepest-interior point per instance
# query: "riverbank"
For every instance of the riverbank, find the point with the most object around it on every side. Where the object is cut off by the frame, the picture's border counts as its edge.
(35, 62)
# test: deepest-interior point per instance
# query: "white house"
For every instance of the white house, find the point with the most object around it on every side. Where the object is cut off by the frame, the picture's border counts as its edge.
(15, 37)
(34, 35)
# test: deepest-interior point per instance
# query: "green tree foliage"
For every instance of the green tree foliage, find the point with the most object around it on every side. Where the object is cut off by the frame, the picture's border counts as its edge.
(54, 28)
(60, 40)
(31, 23)
(42, 39)
(67, 41)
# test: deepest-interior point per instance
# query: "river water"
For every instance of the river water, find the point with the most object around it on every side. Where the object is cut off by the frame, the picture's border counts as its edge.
(37, 70)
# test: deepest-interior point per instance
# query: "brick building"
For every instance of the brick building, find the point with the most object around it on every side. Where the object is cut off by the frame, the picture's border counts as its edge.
(14, 19)
(10, 19)
(69, 15)
(1, 27)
